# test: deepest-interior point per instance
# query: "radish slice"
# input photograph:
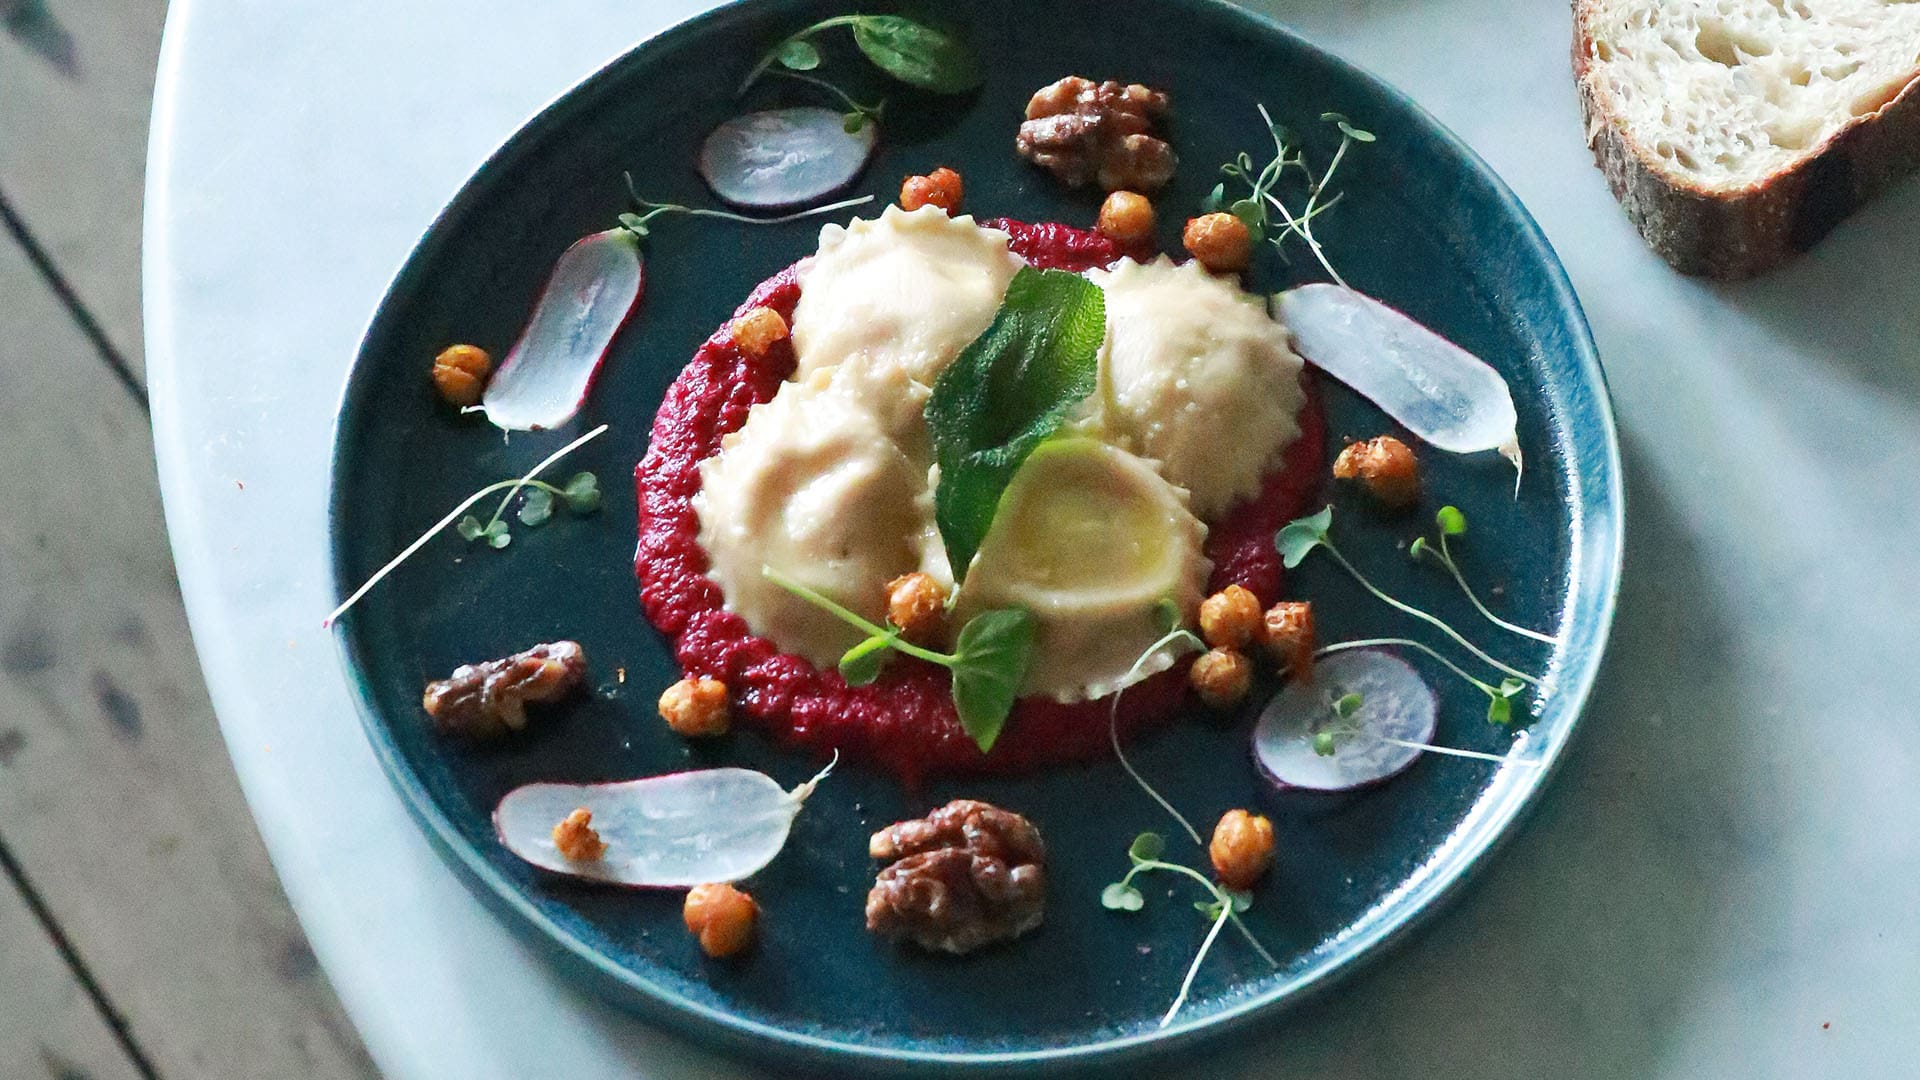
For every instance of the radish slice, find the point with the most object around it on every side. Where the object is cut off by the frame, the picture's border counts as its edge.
(543, 381)
(1394, 702)
(784, 157)
(662, 832)
(1441, 392)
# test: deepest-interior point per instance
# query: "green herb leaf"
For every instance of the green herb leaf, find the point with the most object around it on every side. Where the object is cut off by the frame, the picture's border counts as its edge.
(862, 663)
(582, 493)
(1241, 900)
(1301, 536)
(537, 509)
(1215, 199)
(1419, 549)
(1252, 215)
(497, 535)
(989, 664)
(635, 224)
(470, 529)
(1325, 743)
(798, 55)
(1121, 896)
(1347, 705)
(1147, 847)
(918, 54)
(1166, 615)
(852, 122)
(1006, 393)
(1451, 521)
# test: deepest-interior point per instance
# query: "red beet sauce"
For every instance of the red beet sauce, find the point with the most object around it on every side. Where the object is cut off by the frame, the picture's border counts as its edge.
(905, 721)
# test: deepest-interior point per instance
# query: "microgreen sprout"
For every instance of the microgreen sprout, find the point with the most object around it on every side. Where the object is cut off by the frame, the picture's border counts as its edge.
(1499, 698)
(1173, 636)
(581, 496)
(1225, 905)
(1258, 207)
(641, 224)
(1301, 536)
(912, 52)
(857, 116)
(510, 486)
(989, 660)
(1454, 523)
(1340, 725)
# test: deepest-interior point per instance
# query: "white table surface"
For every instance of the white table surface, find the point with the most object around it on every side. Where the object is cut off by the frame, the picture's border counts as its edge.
(1722, 881)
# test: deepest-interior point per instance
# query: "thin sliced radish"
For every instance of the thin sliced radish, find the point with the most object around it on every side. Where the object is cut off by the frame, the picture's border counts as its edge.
(594, 288)
(1441, 392)
(1394, 702)
(662, 832)
(784, 157)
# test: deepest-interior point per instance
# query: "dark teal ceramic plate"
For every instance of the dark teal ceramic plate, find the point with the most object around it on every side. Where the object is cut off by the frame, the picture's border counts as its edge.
(1424, 225)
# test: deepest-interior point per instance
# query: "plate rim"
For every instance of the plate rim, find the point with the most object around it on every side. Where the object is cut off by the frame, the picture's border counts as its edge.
(727, 1030)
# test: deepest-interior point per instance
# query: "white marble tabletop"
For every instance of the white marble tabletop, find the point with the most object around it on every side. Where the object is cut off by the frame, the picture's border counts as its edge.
(1722, 881)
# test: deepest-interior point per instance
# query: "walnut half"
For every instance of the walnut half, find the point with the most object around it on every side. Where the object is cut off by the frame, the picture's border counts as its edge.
(967, 875)
(1085, 132)
(486, 700)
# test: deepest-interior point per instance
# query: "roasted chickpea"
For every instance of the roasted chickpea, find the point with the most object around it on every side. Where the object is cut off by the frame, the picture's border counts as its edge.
(1242, 848)
(1220, 241)
(759, 330)
(460, 374)
(696, 708)
(1221, 677)
(721, 917)
(917, 604)
(1384, 467)
(576, 838)
(1230, 618)
(1287, 630)
(1126, 218)
(941, 188)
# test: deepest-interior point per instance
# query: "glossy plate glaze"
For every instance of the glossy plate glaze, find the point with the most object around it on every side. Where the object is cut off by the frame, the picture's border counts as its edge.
(1424, 226)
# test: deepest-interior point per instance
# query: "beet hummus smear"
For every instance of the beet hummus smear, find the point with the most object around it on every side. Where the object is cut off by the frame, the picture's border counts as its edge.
(905, 721)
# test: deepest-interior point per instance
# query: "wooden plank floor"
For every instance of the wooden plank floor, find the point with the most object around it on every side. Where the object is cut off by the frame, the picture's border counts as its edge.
(142, 931)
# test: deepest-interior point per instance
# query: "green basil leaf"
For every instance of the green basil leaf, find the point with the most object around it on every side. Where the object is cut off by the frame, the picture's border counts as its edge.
(862, 663)
(989, 664)
(1005, 394)
(537, 509)
(798, 55)
(1301, 536)
(918, 54)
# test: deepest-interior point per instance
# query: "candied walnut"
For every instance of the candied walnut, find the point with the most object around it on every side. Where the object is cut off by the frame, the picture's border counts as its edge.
(941, 187)
(1230, 618)
(1085, 132)
(1241, 848)
(1221, 677)
(576, 838)
(483, 701)
(917, 604)
(758, 331)
(1385, 467)
(721, 918)
(1288, 633)
(696, 708)
(967, 875)
(460, 374)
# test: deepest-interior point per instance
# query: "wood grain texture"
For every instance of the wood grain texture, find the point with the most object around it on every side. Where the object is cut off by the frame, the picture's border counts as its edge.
(76, 82)
(116, 795)
(49, 1027)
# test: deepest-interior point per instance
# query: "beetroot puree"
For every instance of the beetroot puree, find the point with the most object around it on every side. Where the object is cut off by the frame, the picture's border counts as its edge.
(904, 722)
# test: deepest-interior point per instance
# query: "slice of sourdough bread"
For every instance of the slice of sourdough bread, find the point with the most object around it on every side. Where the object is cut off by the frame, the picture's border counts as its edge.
(1737, 133)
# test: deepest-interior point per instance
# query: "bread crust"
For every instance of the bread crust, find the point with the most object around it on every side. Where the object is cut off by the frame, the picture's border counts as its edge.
(1738, 234)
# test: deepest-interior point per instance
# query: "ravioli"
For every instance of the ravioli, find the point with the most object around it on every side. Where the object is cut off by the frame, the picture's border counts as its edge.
(907, 290)
(813, 486)
(1195, 375)
(1091, 539)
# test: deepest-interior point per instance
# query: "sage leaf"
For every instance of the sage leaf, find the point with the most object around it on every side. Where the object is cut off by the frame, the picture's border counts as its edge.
(918, 54)
(1006, 393)
(989, 664)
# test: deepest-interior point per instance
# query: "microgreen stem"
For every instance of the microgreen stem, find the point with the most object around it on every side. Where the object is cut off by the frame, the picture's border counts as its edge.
(1432, 620)
(656, 209)
(1113, 728)
(871, 112)
(1371, 643)
(454, 515)
(1446, 559)
(1219, 895)
(1193, 969)
(1302, 224)
(523, 482)
(1450, 751)
(773, 54)
(825, 603)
